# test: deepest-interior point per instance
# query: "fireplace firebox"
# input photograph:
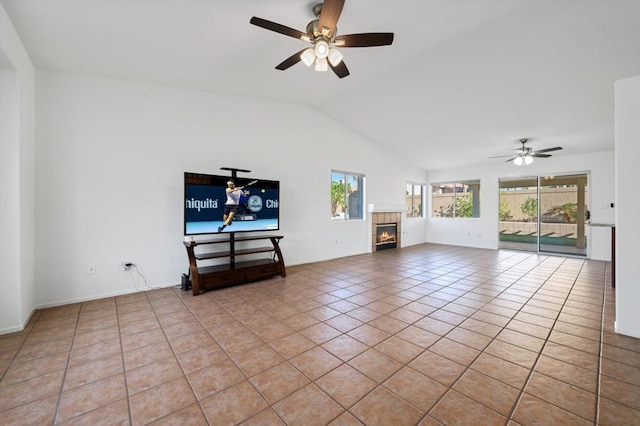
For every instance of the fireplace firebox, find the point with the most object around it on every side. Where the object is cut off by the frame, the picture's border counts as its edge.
(386, 236)
(386, 230)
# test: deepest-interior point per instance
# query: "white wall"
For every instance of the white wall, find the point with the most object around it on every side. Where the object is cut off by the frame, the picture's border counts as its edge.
(111, 156)
(17, 192)
(483, 231)
(627, 106)
(9, 200)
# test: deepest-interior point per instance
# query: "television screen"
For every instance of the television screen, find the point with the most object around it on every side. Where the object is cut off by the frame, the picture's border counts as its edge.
(250, 205)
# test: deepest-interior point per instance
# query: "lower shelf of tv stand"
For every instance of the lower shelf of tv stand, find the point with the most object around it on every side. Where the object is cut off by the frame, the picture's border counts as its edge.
(218, 276)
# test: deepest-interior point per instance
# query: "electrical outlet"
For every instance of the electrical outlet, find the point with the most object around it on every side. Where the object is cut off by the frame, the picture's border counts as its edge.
(92, 269)
(124, 266)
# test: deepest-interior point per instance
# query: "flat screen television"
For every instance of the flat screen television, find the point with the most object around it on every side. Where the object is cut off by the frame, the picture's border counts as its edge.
(204, 204)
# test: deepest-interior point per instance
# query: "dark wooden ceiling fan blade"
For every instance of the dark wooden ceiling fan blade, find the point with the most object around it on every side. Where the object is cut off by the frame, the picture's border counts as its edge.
(503, 156)
(341, 69)
(290, 61)
(364, 40)
(557, 148)
(331, 10)
(279, 28)
(540, 155)
(512, 158)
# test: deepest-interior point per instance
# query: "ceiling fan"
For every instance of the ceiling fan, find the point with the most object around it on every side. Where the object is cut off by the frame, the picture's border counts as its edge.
(322, 34)
(525, 154)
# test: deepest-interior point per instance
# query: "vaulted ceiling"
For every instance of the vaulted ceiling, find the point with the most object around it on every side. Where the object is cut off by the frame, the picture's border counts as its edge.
(463, 80)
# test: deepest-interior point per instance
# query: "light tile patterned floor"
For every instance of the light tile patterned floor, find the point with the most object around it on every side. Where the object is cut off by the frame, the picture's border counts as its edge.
(423, 335)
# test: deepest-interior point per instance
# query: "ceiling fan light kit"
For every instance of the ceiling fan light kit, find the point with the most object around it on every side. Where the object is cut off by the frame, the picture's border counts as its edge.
(319, 55)
(321, 33)
(308, 57)
(321, 49)
(335, 57)
(523, 159)
(321, 64)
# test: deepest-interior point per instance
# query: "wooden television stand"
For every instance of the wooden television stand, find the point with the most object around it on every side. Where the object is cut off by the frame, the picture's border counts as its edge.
(215, 276)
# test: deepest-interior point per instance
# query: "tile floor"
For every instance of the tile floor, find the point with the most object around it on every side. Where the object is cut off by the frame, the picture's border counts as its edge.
(425, 335)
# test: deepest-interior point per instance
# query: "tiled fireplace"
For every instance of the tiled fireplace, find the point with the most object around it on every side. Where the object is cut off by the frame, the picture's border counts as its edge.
(385, 230)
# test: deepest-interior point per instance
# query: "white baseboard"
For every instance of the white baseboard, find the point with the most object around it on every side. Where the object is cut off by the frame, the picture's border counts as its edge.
(626, 331)
(21, 327)
(102, 296)
(18, 327)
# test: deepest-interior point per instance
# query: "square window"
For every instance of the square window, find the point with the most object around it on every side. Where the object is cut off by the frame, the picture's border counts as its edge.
(458, 199)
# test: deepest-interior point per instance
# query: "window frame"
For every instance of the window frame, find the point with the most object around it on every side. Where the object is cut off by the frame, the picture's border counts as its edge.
(410, 209)
(475, 184)
(360, 179)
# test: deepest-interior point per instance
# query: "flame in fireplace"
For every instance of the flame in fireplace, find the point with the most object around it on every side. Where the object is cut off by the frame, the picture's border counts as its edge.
(385, 237)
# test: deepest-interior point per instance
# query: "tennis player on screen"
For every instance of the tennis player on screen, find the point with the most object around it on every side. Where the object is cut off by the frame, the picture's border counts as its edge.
(233, 202)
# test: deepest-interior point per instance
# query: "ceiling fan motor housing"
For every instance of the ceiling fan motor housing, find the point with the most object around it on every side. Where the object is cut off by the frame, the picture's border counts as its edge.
(314, 30)
(317, 10)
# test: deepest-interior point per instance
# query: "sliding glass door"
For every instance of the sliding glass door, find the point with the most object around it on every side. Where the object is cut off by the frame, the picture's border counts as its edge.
(519, 213)
(546, 214)
(563, 214)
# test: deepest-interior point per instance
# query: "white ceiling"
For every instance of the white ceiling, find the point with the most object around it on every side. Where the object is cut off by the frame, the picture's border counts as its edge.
(463, 80)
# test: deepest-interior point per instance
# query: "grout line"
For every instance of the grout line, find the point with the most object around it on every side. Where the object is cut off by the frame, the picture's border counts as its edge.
(270, 406)
(530, 297)
(124, 367)
(450, 263)
(531, 371)
(66, 368)
(450, 387)
(600, 347)
(175, 357)
(509, 417)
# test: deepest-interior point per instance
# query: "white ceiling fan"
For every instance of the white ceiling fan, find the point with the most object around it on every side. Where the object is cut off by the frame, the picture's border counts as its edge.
(525, 154)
